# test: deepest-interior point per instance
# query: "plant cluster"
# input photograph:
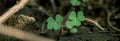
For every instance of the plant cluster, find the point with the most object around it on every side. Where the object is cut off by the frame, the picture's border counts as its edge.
(74, 19)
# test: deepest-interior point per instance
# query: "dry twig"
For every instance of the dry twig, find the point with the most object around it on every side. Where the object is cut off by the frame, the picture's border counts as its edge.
(94, 22)
(21, 34)
(53, 6)
(13, 10)
(109, 16)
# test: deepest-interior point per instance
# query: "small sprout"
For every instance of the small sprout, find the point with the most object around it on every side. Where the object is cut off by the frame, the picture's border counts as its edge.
(52, 24)
(78, 3)
(75, 2)
(73, 30)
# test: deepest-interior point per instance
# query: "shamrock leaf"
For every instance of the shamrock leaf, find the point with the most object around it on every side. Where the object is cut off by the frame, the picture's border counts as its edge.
(52, 24)
(75, 2)
(69, 24)
(80, 16)
(50, 20)
(56, 26)
(72, 15)
(73, 30)
(59, 18)
(49, 26)
(76, 22)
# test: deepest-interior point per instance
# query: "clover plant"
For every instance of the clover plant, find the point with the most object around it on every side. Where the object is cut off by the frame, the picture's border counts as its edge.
(75, 20)
(75, 2)
(54, 23)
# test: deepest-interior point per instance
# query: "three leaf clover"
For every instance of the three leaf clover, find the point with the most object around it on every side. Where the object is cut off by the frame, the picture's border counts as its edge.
(74, 20)
(54, 24)
(75, 2)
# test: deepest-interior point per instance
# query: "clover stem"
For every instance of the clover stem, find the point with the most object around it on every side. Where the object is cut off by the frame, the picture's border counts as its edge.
(60, 31)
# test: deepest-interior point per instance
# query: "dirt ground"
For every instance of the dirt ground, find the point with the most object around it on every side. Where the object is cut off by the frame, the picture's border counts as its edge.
(32, 18)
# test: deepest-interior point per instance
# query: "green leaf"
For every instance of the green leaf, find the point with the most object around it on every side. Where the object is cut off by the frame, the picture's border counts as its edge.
(80, 16)
(76, 22)
(78, 3)
(50, 26)
(75, 2)
(56, 26)
(69, 24)
(53, 25)
(72, 15)
(50, 20)
(73, 30)
(59, 18)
